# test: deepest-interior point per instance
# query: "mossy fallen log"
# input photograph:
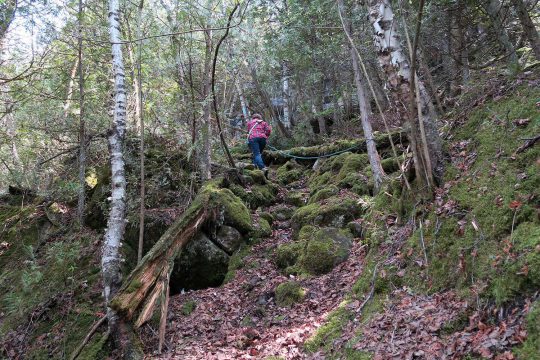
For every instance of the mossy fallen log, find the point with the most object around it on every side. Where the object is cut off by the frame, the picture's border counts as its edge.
(353, 145)
(147, 282)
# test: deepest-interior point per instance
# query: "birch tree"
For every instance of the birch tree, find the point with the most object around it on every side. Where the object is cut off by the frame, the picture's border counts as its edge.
(114, 234)
(395, 64)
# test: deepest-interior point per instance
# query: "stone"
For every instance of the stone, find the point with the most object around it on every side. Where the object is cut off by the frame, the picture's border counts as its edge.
(229, 239)
(200, 265)
(283, 213)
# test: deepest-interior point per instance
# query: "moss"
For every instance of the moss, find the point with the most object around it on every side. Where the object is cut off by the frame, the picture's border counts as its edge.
(353, 163)
(236, 214)
(267, 216)
(322, 250)
(287, 254)
(289, 172)
(188, 307)
(134, 286)
(256, 195)
(261, 230)
(531, 347)
(323, 194)
(257, 176)
(294, 198)
(330, 331)
(335, 211)
(289, 293)
(316, 181)
(236, 261)
(390, 165)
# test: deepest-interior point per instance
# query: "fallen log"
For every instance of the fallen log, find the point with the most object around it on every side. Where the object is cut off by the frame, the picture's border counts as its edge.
(312, 152)
(145, 285)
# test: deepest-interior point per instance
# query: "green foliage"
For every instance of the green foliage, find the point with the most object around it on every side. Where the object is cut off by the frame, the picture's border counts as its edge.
(289, 293)
(531, 347)
(188, 307)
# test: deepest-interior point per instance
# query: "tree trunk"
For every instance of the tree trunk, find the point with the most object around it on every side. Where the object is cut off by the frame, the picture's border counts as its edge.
(111, 259)
(285, 83)
(139, 116)
(493, 8)
(69, 93)
(243, 101)
(206, 128)
(528, 26)
(396, 66)
(374, 159)
(82, 126)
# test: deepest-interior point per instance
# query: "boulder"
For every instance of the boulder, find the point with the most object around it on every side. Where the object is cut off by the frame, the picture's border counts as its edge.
(201, 264)
(229, 239)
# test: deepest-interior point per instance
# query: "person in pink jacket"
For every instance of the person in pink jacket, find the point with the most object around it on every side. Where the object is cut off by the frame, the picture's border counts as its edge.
(258, 132)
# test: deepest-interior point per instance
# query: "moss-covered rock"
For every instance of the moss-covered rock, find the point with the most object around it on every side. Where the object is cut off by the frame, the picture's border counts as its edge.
(267, 216)
(327, 248)
(287, 254)
(289, 172)
(289, 293)
(335, 211)
(283, 212)
(256, 176)
(294, 198)
(256, 195)
(188, 307)
(235, 212)
(200, 265)
(316, 252)
(323, 194)
(261, 230)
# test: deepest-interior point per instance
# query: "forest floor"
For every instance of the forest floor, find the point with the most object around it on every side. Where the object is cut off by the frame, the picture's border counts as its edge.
(241, 320)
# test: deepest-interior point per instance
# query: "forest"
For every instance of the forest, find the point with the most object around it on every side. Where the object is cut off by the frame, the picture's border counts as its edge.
(270, 179)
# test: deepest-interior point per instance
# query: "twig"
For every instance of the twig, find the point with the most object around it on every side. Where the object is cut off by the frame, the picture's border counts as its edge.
(87, 338)
(372, 290)
(529, 143)
(423, 244)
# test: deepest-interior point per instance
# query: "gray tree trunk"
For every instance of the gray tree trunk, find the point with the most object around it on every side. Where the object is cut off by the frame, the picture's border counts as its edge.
(493, 8)
(285, 82)
(374, 158)
(395, 65)
(528, 26)
(82, 126)
(206, 127)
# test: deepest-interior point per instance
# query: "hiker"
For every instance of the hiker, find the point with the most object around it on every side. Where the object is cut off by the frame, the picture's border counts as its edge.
(258, 132)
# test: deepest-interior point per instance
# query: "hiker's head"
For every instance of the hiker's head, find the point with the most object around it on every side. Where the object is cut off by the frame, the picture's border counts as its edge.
(256, 117)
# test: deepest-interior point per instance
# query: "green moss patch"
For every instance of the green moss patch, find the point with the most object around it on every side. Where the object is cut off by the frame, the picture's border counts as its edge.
(289, 293)
(288, 173)
(335, 211)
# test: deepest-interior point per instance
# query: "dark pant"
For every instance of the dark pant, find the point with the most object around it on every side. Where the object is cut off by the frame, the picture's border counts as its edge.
(257, 147)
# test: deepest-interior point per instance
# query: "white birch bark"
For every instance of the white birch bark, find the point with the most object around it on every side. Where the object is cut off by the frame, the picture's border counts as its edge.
(110, 262)
(285, 81)
(395, 65)
(243, 101)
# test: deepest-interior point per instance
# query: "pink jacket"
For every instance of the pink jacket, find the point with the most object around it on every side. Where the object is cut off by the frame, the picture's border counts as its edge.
(258, 129)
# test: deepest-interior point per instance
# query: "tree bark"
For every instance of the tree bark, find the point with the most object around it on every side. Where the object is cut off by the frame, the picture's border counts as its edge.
(110, 262)
(373, 155)
(206, 127)
(396, 66)
(528, 26)
(139, 116)
(493, 8)
(82, 125)
(285, 83)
